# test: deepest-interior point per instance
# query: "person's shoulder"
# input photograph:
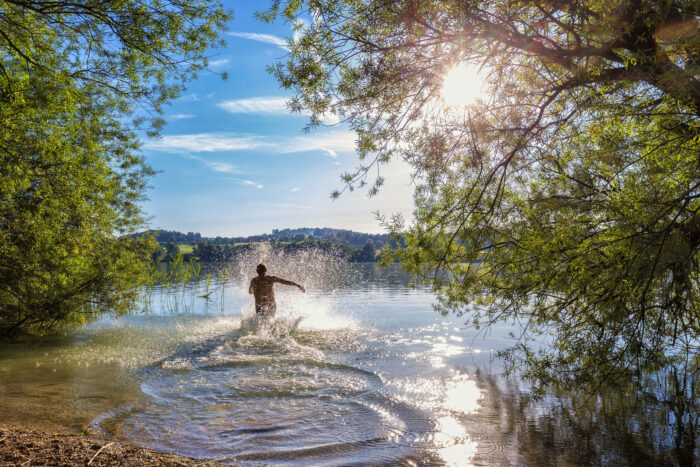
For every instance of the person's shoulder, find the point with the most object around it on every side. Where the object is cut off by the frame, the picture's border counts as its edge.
(254, 279)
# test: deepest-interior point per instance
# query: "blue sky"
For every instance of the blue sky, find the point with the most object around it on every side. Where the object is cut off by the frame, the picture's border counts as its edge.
(233, 161)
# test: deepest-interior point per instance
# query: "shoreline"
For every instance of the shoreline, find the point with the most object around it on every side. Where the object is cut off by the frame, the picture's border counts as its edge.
(25, 446)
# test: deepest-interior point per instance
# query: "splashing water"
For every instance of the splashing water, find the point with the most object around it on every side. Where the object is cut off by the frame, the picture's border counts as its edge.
(226, 287)
(315, 268)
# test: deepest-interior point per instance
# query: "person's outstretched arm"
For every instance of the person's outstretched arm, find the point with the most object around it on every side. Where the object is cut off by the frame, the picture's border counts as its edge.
(286, 282)
(250, 289)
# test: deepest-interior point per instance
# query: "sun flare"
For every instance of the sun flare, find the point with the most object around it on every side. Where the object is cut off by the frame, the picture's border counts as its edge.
(462, 86)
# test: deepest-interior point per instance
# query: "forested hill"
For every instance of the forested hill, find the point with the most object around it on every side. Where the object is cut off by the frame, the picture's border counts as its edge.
(338, 236)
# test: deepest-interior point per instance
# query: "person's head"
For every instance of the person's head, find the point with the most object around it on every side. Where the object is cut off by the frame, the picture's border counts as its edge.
(261, 269)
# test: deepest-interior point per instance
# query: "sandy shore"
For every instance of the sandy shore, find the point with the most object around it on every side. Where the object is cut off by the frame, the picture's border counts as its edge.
(26, 447)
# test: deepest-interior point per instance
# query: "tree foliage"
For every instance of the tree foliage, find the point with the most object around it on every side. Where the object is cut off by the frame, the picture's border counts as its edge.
(566, 199)
(341, 236)
(77, 79)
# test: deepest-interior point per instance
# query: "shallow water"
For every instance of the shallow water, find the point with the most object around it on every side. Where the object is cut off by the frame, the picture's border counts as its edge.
(355, 372)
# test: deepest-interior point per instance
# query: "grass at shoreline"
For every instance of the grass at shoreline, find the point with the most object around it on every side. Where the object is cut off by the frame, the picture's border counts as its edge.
(21, 446)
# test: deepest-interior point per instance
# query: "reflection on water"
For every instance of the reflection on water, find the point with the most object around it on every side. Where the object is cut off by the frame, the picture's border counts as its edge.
(611, 429)
(452, 442)
(359, 370)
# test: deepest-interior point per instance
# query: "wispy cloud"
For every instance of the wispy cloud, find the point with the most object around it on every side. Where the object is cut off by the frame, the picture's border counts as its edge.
(299, 26)
(266, 38)
(180, 116)
(328, 142)
(241, 181)
(205, 142)
(218, 63)
(266, 105)
(295, 189)
(222, 167)
(330, 119)
(189, 97)
(216, 166)
(252, 183)
(329, 152)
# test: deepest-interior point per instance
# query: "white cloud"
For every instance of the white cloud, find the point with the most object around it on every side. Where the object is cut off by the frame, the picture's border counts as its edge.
(329, 143)
(189, 97)
(218, 63)
(317, 17)
(329, 152)
(299, 26)
(265, 105)
(250, 183)
(181, 116)
(268, 105)
(330, 119)
(295, 189)
(266, 38)
(224, 167)
(221, 166)
(241, 181)
(205, 142)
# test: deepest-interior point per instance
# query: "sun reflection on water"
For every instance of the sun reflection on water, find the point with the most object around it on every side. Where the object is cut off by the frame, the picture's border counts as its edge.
(453, 443)
(462, 394)
(449, 400)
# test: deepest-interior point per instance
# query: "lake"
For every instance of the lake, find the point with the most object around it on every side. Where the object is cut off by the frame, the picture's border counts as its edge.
(359, 370)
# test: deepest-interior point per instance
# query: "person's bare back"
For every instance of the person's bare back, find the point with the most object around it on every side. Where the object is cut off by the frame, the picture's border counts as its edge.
(262, 288)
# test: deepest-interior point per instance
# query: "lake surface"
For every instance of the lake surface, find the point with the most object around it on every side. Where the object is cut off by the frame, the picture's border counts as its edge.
(360, 370)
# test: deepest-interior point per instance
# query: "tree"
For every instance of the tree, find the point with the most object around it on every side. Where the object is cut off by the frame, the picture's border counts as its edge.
(77, 79)
(565, 199)
(367, 254)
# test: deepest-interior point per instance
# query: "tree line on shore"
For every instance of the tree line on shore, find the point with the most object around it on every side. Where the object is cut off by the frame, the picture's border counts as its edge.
(337, 236)
(210, 252)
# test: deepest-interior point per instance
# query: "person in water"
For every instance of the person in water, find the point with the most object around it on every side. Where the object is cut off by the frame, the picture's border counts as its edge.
(262, 287)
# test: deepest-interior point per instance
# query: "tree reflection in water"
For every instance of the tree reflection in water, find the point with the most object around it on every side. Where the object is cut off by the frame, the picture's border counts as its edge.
(656, 426)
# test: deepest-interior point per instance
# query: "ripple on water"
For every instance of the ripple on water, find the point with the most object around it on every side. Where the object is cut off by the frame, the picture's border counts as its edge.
(253, 396)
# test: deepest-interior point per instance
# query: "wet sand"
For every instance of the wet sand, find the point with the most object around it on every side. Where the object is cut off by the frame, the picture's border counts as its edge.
(28, 447)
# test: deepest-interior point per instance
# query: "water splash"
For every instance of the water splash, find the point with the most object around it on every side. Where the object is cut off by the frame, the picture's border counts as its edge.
(312, 266)
(223, 287)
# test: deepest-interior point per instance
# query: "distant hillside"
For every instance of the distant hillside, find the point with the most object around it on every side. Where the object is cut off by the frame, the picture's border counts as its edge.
(338, 236)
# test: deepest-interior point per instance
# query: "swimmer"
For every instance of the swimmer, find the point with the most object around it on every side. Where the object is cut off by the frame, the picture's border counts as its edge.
(262, 287)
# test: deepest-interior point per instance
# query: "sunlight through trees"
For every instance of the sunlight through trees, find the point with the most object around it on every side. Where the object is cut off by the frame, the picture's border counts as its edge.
(462, 85)
(568, 201)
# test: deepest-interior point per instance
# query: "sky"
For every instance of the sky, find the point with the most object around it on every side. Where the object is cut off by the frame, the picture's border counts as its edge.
(233, 161)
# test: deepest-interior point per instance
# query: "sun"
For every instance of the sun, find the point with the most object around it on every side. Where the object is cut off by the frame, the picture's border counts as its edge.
(462, 86)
